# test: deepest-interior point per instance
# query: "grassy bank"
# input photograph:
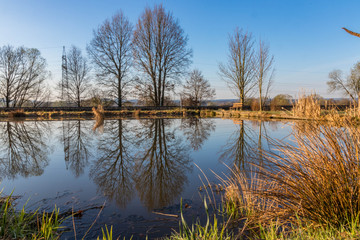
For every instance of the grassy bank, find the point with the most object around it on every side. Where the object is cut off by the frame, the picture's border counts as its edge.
(326, 115)
(21, 224)
(306, 107)
(55, 115)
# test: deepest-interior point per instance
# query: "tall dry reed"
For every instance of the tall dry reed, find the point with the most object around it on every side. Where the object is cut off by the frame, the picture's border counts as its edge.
(316, 178)
(307, 106)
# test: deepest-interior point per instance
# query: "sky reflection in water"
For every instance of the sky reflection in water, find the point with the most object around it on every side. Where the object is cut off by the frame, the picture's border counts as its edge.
(133, 166)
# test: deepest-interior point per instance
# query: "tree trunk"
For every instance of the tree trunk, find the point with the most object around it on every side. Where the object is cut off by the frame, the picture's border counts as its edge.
(119, 93)
(78, 98)
(7, 97)
(242, 100)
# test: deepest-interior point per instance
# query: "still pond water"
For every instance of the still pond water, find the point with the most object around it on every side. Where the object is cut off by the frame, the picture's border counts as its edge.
(136, 168)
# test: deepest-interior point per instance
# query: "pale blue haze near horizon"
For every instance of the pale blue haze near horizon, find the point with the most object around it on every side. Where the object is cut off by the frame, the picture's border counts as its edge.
(305, 37)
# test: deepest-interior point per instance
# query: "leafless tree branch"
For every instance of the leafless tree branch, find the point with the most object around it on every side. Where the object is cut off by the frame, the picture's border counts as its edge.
(160, 53)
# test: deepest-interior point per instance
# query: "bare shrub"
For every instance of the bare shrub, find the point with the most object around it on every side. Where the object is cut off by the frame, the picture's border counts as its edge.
(280, 100)
(255, 105)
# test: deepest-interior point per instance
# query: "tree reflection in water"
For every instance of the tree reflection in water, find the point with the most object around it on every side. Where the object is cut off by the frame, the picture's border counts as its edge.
(23, 148)
(161, 163)
(149, 155)
(113, 169)
(197, 130)
(245, 144)
(76, 142)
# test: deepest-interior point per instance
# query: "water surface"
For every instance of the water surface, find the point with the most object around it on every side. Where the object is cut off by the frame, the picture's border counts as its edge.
(132, 167)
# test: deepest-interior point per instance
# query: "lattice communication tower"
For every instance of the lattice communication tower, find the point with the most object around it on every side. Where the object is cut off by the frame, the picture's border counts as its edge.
(64, 77)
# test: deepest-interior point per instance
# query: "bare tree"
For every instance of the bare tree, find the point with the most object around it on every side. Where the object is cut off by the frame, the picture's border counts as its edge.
(350, 86)
(11, 70)
(160, 52)
(239, 71)
(22, 73)
(110, 51)
(197, 89)
(78, 76)
(42, 94)
(264, 71)
(354, 81)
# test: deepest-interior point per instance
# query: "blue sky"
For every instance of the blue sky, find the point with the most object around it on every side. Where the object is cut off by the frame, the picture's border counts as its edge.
(305, 37)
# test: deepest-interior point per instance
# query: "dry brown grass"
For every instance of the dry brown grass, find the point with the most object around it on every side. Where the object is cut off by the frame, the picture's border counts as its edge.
(353, 112)
(244, 202)
(207, 113)
(315, 178)
(307, 106)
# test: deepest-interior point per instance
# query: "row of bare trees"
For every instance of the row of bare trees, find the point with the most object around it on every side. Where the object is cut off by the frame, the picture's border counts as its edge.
(247, 67)
(147, 61)
(156, 48)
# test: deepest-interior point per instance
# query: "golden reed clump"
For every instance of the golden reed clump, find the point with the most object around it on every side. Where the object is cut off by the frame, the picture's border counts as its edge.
(315, 178)
(307, 107)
